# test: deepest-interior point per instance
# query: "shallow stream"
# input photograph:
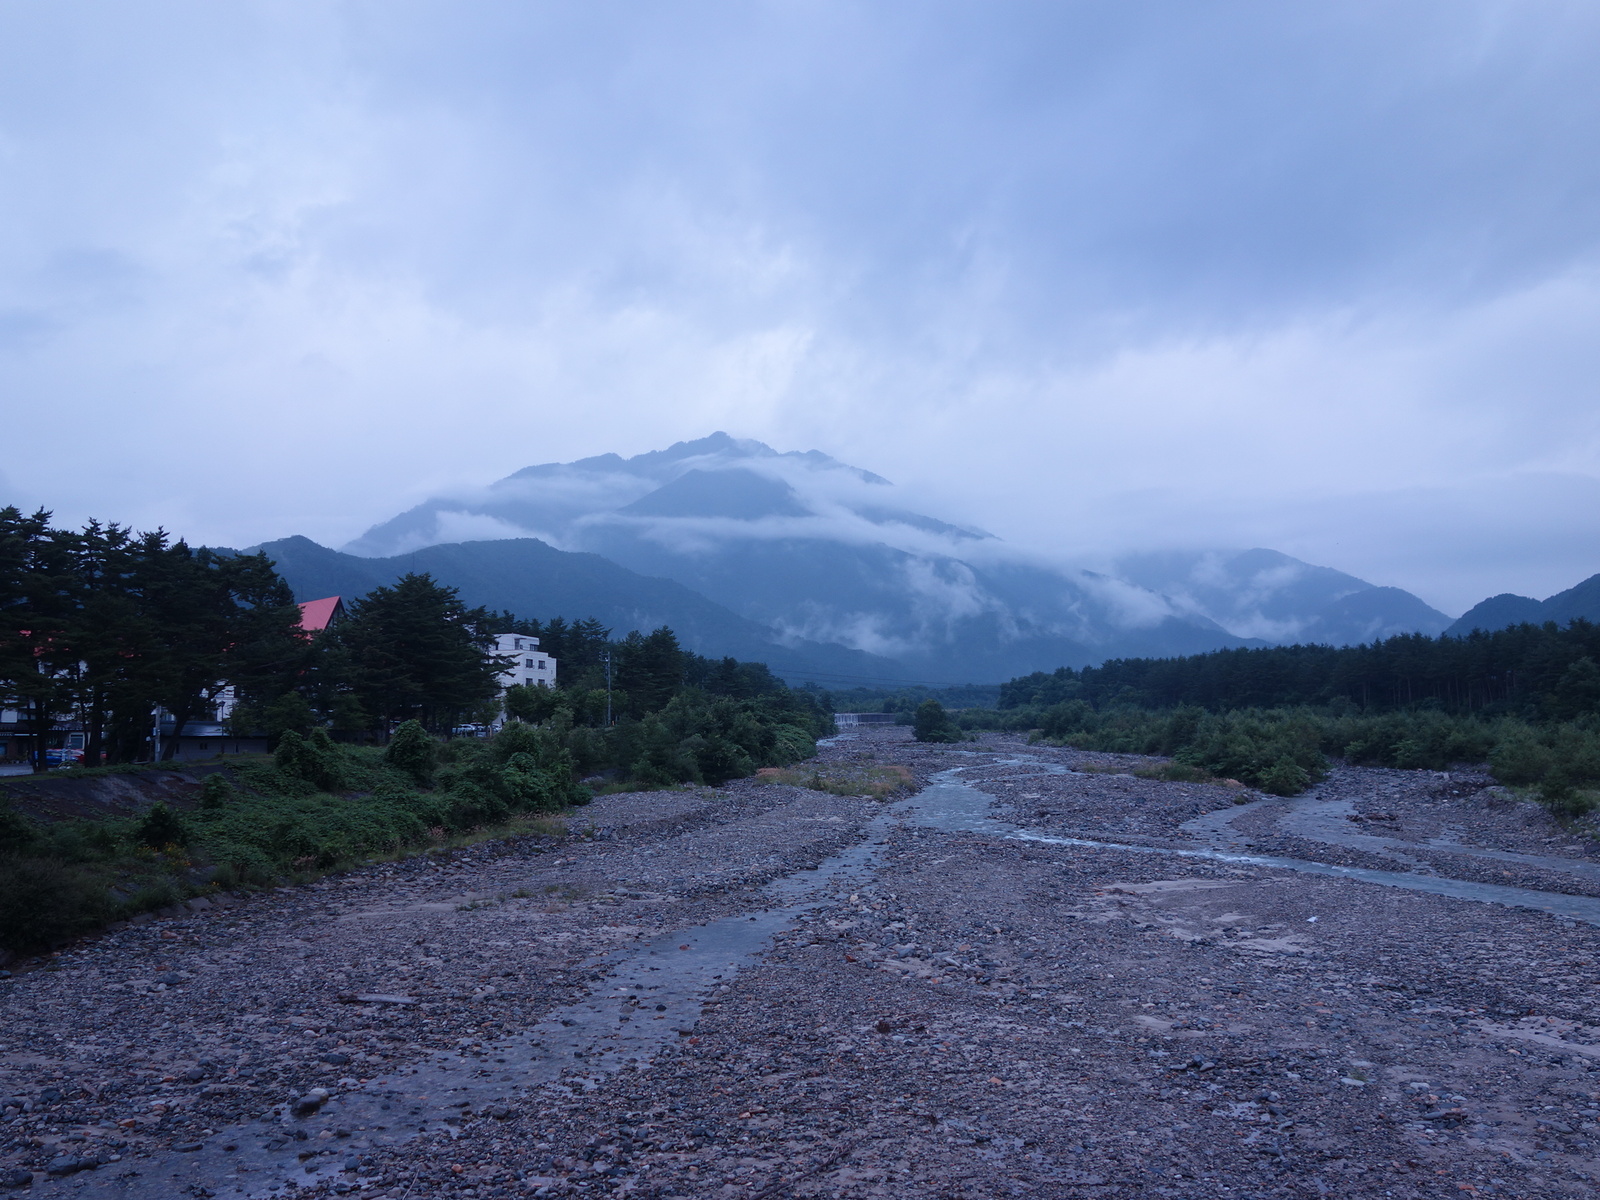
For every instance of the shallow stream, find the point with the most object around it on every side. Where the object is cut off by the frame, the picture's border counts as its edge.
(952, 805)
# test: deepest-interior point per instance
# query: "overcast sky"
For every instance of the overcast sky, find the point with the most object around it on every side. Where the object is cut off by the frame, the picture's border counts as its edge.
(1096, 276)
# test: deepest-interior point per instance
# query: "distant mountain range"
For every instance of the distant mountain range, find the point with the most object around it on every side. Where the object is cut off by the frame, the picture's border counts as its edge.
(819, 569)
(531, 579)
(1281, 600)
(1504, 610)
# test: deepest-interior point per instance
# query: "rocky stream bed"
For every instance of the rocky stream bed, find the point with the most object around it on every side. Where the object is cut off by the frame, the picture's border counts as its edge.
(1035, 976)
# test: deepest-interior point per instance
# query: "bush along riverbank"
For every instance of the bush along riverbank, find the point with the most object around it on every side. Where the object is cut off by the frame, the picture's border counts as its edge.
(1286, 750)
(315, 805)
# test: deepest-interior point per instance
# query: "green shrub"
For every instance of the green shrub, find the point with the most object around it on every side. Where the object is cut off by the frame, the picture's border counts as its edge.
(1521, 759)
(1284, 778)
(267, 819)
(791, 744)
(216, 791)
(157, 893)
(413, 751)
(315, 759)
(1176, 772)
(17, 833)
(45, 902)
(161, 827)
(521, 768)
(932, 724)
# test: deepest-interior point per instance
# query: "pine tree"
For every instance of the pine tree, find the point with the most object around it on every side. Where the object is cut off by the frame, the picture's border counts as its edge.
(650, 669)
(414, 652)
(41, 600)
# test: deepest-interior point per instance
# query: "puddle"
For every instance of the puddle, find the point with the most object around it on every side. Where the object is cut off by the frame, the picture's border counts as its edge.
(649, 996)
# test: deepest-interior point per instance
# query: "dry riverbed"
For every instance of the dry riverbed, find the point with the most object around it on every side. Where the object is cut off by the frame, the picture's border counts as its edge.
(670, 1001)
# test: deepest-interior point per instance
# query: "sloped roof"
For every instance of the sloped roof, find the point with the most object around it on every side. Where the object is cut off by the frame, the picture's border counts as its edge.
(316, 615)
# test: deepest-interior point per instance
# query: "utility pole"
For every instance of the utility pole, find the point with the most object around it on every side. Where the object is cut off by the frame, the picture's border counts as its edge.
(605, 657)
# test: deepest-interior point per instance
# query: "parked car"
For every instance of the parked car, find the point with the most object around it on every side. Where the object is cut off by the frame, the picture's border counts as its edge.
(63, 757)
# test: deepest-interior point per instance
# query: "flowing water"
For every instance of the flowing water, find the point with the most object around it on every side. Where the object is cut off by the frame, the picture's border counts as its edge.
(649, 995)
(954, 806)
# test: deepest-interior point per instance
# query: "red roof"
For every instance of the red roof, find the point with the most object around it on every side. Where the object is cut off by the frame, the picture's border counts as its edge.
(317, 615)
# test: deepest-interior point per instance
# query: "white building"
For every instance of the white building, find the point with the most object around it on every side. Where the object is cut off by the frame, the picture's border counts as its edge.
(531, 666)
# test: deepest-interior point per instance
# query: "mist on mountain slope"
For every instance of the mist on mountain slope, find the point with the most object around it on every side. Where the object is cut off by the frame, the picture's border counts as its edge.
(822, 551)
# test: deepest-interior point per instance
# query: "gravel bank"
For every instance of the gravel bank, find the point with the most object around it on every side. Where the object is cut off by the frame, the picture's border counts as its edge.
(954, 1014)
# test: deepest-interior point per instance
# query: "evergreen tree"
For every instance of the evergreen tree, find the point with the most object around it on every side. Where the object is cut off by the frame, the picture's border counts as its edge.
(650, 669)
(40, 599)
(414, 652)
(107, 625)
(224, 618)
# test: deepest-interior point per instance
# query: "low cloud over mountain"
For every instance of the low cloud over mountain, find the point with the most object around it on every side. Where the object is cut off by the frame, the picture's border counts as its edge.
(821, 552)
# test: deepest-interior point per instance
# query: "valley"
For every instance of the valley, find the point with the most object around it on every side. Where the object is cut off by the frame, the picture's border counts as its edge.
(1033, 973)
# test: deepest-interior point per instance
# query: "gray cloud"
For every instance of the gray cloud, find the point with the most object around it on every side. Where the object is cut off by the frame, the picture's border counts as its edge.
(1094, 276)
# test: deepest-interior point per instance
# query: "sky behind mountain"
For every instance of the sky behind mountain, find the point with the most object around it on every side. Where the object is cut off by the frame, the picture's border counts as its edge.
(1097, 277)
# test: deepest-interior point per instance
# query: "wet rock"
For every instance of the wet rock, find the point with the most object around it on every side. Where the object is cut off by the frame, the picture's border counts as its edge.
(306, 1105)
(15, 1177)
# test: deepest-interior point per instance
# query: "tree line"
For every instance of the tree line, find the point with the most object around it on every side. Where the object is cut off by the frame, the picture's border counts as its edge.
(1536, 672)
(1525, 700)
(102, 627)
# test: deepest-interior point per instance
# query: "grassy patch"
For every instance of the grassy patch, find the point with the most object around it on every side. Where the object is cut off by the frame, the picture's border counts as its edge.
(1177, 772)
(875, 782)
(262, 822)
(312, 807)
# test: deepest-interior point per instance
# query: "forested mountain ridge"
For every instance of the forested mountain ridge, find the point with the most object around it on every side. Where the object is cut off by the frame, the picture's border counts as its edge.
(1581, 602)
(530, 578)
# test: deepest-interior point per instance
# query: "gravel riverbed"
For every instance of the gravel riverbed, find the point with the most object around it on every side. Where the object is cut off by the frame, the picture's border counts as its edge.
(672, 1001)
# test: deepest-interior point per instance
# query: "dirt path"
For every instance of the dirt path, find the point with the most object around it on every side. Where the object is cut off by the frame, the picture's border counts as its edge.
(770, 991)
